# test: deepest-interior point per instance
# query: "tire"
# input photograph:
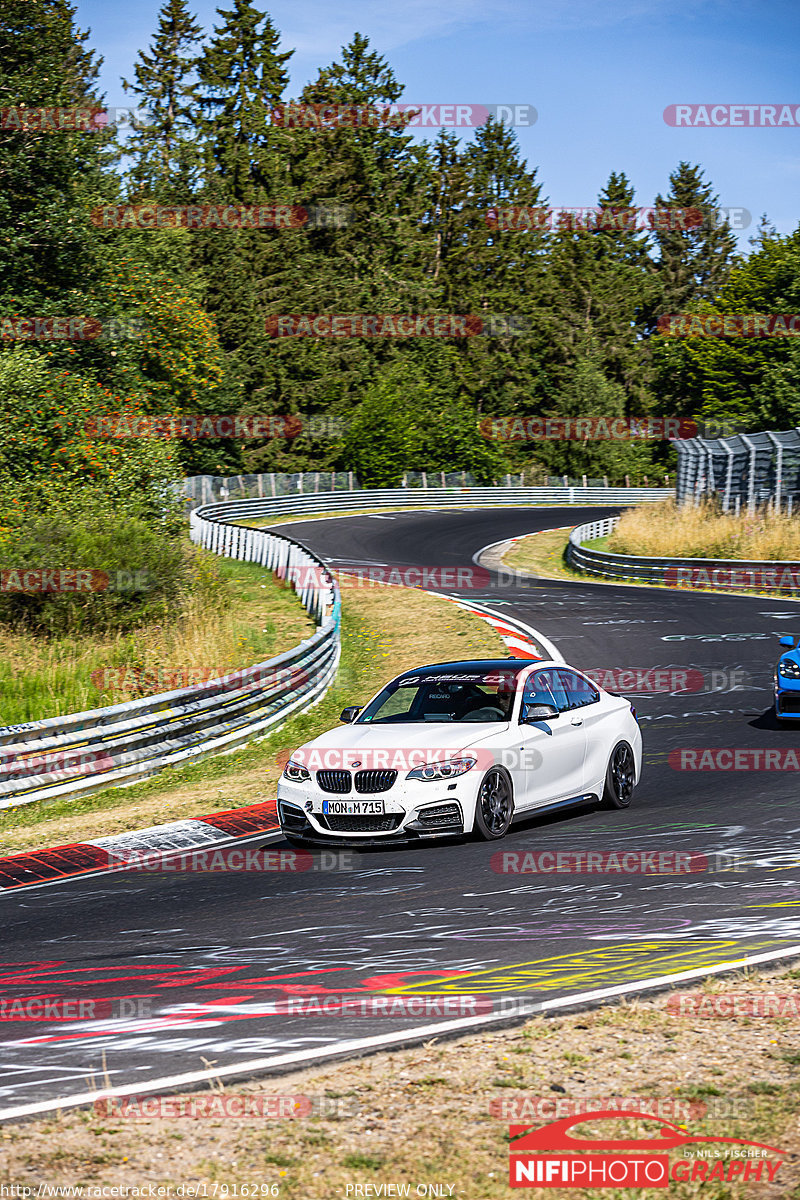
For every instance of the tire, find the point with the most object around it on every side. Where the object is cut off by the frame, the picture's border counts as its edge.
(494, 807)
(620, 777)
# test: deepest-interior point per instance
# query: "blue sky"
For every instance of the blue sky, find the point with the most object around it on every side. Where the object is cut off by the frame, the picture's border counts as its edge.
(598, 74)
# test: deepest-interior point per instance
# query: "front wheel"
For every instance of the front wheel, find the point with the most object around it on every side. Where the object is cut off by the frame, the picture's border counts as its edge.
(620, 777)
(494, 807)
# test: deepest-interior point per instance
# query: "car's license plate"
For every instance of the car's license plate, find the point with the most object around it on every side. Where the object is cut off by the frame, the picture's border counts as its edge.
(353, 808)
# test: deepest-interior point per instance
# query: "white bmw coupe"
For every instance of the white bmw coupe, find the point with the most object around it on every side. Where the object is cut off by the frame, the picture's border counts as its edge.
(462, 747)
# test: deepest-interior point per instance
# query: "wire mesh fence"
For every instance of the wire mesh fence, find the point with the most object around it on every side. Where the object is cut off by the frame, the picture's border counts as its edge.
(212, 489)
(745, 471)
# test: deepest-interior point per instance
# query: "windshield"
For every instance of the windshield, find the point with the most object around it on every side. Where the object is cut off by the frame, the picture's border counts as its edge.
(445, 696)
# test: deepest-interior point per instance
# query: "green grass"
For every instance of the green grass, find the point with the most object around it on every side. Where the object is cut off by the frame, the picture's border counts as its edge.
(42, 677)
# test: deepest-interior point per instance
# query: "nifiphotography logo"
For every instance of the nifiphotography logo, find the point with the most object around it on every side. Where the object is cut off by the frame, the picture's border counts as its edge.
(608, 1162)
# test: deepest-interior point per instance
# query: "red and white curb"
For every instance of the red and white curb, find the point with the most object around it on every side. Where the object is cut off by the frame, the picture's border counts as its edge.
(522, 639)
(110, 853)
(518, 638)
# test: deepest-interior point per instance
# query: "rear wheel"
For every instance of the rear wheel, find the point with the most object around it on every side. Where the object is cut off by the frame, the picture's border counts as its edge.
(494, 807)
(620, 777)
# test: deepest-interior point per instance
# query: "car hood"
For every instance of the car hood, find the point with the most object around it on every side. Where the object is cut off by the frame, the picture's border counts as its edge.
(432, 735)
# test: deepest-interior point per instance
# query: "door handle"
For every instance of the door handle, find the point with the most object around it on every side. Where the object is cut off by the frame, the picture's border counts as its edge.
(576, 721)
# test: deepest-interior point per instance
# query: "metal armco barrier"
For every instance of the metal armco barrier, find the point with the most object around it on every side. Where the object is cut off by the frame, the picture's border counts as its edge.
(471, 497)
(719, 574)
(106, 747)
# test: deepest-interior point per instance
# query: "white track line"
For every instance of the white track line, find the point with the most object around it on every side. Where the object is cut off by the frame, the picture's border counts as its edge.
(296, 1059)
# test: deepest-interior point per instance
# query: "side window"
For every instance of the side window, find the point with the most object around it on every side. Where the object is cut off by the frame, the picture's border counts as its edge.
(579, 690)
(543, 687)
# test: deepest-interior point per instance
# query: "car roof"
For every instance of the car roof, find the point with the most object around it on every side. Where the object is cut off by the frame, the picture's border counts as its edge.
(483, 664)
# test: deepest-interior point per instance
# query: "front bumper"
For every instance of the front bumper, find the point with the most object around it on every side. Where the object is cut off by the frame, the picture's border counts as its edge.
(787, 703)
(408, 815)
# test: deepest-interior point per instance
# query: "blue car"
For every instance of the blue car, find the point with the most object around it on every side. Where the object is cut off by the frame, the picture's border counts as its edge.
(787, 682)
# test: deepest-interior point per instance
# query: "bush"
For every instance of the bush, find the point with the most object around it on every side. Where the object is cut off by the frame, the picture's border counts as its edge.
(130, 570)
(407, 422)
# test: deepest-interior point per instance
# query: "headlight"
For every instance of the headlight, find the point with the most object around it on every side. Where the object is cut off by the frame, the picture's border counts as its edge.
(296, 772)
(789, 669)
(442, 770)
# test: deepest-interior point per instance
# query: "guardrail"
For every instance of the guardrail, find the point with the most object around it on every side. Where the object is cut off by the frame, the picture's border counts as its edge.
(722, 574)
(477, 497)
(122, 743)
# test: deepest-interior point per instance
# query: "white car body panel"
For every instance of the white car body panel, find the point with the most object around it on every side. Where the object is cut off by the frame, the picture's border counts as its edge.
(548, 762)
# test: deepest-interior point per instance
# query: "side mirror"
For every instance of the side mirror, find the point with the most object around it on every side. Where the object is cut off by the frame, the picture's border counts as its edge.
(787, 640)
(349, 714)
(538, 712)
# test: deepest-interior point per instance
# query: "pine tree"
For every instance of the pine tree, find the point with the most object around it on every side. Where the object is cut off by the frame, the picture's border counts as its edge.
(373, 176)
(695, 261)
(48, 249)
(484, 268)
(618, 234)
(164, 152)
(751, 381)
(601, 289)
(242, 80)
(693, 265)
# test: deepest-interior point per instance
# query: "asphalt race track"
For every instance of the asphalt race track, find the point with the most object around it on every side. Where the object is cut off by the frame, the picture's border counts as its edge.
(202, 959)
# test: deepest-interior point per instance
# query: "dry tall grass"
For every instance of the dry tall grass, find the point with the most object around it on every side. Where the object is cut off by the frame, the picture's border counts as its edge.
(666, 530)
(42, 677)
